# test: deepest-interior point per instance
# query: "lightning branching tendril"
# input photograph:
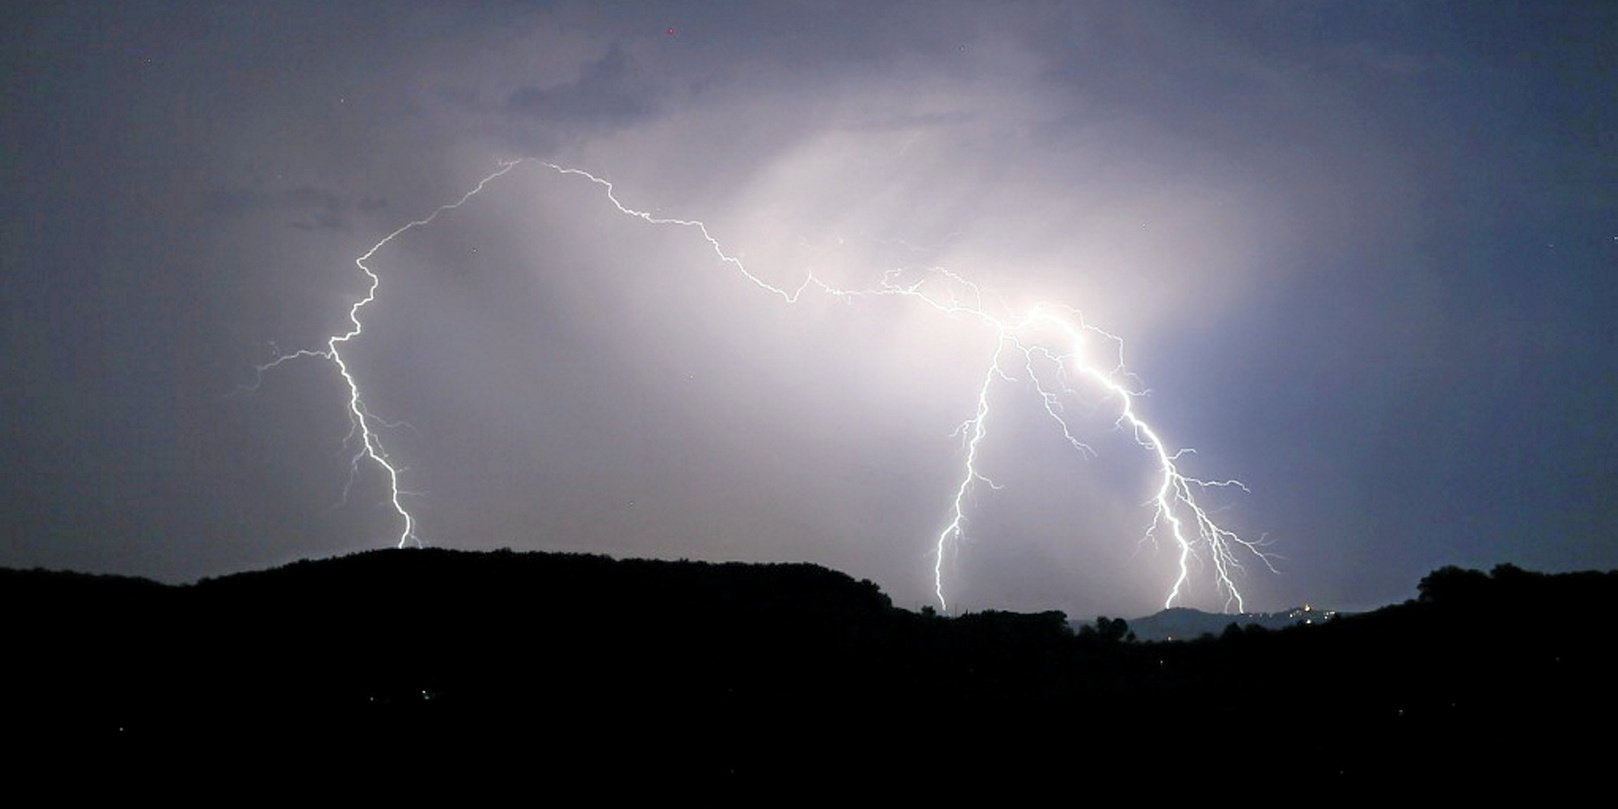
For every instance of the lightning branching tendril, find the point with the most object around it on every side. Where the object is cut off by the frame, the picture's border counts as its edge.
(1047, 342)
(361, 434)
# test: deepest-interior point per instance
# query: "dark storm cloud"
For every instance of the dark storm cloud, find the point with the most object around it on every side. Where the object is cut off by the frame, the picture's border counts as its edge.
(307, 207)
(613, 93)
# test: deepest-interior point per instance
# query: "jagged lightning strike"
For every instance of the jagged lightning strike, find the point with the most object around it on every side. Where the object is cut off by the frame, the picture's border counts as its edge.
(1047, 341)
(361, 434)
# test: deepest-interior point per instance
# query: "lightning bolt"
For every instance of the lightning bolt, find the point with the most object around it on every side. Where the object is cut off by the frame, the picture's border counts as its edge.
(361, 435)
(1047, 342)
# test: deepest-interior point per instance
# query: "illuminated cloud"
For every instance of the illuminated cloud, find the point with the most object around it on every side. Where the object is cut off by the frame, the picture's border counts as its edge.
(1357, 259)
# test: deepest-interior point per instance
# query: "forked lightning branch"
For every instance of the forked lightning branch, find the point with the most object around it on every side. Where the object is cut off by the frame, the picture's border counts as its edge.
(1050, 346)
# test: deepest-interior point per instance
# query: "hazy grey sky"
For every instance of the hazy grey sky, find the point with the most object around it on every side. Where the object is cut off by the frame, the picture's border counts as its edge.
(1362, 254)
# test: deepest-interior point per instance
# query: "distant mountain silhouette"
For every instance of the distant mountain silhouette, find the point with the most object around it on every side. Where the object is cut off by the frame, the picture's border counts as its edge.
(1184, 623)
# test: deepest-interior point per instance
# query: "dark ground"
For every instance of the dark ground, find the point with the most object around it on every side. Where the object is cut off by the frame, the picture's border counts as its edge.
(409, 669)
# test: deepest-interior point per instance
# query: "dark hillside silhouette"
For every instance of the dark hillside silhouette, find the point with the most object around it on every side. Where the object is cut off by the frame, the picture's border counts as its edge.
(575, 667)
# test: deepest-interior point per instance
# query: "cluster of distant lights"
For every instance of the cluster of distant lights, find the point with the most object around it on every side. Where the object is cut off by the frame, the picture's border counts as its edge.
(1045, 346)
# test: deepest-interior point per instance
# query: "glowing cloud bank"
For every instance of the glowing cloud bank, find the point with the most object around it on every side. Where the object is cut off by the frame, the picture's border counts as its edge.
(1052, 347)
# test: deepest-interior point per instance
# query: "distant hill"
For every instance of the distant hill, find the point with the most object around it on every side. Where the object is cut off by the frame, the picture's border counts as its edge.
(1183, 623)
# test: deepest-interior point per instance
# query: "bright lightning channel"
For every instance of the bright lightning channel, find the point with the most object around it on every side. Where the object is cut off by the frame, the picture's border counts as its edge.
(1047, 341)
(368, 447)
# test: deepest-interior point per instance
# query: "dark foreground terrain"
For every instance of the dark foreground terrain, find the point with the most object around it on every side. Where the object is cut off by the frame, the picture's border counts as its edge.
(431, 667)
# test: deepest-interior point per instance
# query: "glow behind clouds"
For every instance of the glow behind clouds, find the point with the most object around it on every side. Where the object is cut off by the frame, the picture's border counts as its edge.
(1049, 345)
(1361, 260)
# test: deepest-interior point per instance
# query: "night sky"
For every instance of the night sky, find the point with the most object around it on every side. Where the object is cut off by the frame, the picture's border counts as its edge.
(1362, 254)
